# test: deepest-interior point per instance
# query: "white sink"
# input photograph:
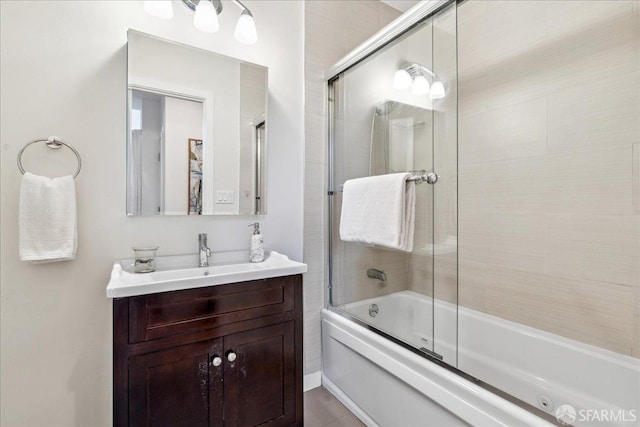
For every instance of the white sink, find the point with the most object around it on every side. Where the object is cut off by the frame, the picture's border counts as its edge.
(181, 272)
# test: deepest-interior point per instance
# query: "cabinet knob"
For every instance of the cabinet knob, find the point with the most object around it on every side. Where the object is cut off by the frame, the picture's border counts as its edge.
(231, 356)
(217, 361)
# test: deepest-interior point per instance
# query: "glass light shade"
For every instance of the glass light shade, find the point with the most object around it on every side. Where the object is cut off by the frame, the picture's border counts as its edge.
(401, 80)
(206, 18)
(437, 90)
(246, 29)
(420, 85)
(162, 9)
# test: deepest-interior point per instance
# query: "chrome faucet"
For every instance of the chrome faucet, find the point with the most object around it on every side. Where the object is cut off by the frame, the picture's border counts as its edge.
(374, 273)
(205, 252)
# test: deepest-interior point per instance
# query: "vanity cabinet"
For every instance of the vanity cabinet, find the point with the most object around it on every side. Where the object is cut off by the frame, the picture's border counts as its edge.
(226, 355)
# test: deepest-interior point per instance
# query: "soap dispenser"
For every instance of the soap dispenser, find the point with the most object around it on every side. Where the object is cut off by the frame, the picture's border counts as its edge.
(256, 253)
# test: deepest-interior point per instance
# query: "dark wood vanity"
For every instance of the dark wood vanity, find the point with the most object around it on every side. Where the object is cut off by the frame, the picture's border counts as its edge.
(226, 355)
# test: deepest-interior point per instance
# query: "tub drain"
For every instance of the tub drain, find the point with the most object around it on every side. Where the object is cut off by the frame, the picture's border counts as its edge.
(545, 403)
(373, 310)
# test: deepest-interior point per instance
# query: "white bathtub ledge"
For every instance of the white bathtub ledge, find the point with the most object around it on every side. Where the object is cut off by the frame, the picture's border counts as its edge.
(466, 400)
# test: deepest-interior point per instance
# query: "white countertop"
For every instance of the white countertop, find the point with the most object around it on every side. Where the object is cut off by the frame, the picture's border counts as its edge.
(180, 272)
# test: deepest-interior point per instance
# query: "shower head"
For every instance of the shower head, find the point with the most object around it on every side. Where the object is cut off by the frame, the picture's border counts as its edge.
(400, 109)
(385, 107)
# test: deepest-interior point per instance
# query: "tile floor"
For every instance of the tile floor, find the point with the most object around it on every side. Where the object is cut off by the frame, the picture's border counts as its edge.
(322, 409)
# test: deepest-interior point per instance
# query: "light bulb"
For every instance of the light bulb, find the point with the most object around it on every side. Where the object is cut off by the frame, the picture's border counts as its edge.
(246, 29)
(420, 85)
(206, 18)
(159, 8)
(437, 90)
(401, 80)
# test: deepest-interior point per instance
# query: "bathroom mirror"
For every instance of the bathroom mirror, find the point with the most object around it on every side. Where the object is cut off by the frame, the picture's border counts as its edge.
(197, 131)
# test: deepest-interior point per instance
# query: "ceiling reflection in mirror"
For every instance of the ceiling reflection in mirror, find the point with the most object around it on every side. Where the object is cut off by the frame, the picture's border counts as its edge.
(197, 131)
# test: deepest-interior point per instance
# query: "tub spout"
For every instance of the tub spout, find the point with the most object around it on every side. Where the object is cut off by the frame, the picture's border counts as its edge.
(374, 273)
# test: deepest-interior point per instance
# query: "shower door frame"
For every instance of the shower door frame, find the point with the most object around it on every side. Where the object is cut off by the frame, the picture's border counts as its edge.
(395, 30)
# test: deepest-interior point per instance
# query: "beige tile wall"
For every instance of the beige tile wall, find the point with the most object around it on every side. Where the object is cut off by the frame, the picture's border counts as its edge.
(549, 166)
(351, 261)
(332, 29)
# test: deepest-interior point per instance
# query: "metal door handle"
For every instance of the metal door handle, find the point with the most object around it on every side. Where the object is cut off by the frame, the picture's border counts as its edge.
(231, 356)
(216, 361)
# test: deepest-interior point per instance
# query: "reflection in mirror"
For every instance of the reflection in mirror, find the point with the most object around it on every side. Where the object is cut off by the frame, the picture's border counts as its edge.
(165, 151)
(197, 131)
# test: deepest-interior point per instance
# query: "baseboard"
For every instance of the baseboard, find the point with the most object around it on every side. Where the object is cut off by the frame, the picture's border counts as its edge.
(312, 380)
(346, 401)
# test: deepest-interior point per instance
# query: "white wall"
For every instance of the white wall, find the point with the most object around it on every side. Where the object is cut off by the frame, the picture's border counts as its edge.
(63, 72)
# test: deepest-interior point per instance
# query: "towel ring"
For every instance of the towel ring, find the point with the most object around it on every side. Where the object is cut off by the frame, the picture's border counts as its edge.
(52, 142)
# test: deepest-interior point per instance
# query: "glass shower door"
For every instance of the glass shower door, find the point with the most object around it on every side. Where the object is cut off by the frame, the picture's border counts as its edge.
(381, 125)
(445, 192)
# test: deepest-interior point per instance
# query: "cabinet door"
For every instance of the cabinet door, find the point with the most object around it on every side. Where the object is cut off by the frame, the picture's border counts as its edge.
(259, 385)
(177, 387)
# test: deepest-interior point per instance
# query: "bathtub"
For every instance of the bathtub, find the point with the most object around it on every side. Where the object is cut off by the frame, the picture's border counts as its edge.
(409, 316)
(385, 384)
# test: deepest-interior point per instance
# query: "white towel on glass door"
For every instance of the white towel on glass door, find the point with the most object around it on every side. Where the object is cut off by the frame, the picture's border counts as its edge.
(47, 219)
(379, 210)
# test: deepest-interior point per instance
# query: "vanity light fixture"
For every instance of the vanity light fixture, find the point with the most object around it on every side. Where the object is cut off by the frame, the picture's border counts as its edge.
(206, 16)
(437, 90)
(413, 76)
(420, 85)
(246, 28)
(402, 79)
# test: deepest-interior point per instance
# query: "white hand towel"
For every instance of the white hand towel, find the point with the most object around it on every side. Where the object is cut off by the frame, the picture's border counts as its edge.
(379, 210)
(47, 219)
